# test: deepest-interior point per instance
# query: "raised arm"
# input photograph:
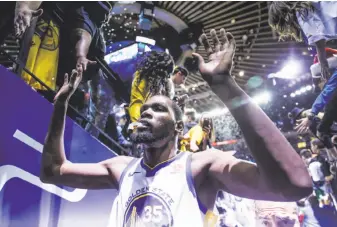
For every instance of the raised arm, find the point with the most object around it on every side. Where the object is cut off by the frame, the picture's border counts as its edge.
(280, 173)
(56, 169)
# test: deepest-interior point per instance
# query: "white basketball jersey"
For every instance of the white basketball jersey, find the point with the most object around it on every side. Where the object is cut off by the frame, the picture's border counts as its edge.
(162, 196)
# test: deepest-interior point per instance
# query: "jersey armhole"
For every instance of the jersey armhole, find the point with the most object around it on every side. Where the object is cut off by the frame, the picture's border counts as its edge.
(126, 170)
(191, 185)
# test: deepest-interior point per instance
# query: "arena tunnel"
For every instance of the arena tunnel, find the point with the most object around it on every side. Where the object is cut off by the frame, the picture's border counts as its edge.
(276, 74)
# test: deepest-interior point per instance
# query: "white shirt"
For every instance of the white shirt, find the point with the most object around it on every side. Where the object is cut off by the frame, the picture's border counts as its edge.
(161, 196)
(320, 24)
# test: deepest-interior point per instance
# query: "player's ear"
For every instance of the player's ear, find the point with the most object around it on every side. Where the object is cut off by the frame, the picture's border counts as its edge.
(179, 127)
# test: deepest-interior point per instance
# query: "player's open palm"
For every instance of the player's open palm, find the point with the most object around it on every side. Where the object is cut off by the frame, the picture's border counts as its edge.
(69, 86)
(220, 57)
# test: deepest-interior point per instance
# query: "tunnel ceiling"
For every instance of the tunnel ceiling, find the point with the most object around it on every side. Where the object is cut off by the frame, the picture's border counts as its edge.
(260, 54)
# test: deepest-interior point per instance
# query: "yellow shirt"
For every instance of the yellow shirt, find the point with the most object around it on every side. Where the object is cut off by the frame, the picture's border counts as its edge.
(139, 95)
(195, 133)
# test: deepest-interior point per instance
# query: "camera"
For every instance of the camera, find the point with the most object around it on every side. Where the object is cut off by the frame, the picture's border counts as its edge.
(207, 122)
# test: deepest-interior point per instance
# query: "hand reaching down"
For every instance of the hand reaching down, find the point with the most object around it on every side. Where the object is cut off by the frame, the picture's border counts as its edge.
(23, 17)
(83, 63)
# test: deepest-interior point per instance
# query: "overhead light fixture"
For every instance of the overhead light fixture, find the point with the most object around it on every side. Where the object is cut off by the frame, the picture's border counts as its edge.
(292, 95)
(303, 89)
(142, 39)
(289, 71)
(309, 87)
(241, 73)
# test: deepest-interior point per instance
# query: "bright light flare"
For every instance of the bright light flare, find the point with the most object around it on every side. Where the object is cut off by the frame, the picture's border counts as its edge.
(289, 71)
(262, 98)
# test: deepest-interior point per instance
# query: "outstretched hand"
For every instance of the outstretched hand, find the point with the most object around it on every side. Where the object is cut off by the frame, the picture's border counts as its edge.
(303, 125)
(83, 63)
(220, 56)
(69, 86)
(23, 17)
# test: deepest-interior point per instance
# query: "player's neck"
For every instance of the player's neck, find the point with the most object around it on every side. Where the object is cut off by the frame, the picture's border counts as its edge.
(154, 156)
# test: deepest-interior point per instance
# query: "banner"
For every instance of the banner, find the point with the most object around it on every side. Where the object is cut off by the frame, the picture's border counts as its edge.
(24, 200)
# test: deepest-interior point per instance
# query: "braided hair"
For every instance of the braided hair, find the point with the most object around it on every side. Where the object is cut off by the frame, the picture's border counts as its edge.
(156, 69)
(282, 18)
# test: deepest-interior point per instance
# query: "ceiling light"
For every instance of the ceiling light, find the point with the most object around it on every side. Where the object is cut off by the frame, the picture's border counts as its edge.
(296, 104)
(241, 73)
(303, 89)
(142, 39)
(247, 56)
(263, 66)
(289, 71)
(309, 87)
(285, 96)
(292, 95)
(233, 21)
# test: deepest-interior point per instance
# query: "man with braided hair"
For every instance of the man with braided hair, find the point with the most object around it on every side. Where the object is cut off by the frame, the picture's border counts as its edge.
(152, 77)
(158, 189)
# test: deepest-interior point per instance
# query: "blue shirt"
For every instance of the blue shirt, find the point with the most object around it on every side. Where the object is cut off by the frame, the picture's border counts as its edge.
(324, 97)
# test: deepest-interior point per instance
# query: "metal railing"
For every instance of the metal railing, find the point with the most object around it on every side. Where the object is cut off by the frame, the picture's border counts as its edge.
(110, 75)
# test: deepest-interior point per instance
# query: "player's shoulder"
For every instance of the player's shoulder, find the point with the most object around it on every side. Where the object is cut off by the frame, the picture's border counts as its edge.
(211, 154)
(120, 161)
(205, 159)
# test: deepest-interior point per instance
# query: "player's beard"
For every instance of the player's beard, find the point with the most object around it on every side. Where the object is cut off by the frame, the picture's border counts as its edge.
(147, 137)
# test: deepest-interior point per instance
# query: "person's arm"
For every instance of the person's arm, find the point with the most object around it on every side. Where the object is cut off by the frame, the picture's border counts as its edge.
(196, 138)
(137, 98)
(280, 174)
(320, 102)
(324, 97)
(82, 40)
(56, 169)
(24, 12)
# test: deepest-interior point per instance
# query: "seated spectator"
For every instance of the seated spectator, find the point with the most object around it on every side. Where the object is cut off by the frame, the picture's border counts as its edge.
(318, 168)
(151, 78)
(199, 137)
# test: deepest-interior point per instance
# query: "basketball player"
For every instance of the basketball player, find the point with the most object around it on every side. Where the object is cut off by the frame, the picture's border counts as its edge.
(168, 189)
